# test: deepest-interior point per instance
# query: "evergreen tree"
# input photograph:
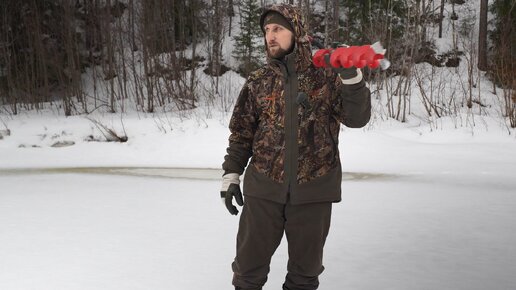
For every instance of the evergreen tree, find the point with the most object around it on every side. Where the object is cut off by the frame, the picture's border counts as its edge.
(249, 42)
(503, 38)
(369, 21)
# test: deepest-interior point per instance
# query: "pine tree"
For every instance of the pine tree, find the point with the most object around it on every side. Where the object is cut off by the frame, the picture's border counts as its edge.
(249, 42)
(369, 21)
(503, 40)
(503, 54)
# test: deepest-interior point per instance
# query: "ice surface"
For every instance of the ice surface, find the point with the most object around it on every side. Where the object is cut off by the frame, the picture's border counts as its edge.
(94, 231)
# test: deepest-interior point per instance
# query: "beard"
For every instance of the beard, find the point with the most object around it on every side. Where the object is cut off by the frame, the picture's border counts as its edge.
(278, 52)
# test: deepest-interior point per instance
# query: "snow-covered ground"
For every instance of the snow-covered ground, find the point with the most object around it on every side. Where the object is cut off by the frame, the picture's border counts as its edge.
(93, 231)
(427, 204)
(422, 208)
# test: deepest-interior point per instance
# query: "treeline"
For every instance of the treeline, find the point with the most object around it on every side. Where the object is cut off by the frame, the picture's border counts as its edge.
(126, 52)
(147, 54)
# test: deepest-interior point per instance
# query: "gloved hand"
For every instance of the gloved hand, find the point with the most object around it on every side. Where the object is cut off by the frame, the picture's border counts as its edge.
(230, 188)
(348, 76)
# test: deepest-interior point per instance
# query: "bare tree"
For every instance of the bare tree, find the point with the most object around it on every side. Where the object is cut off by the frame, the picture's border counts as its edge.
(482, 37)
(216, 52)
(336, 22)
(231, 14)
(441, 13)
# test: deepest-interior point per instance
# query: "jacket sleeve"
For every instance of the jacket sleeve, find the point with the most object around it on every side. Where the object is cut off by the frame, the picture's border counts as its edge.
(242, 126)
(352, 104)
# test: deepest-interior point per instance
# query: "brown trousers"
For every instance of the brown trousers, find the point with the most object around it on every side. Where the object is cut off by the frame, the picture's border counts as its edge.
(261, 228)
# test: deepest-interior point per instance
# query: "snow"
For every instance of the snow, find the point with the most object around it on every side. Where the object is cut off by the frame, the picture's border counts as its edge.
(70, 230)
(427, 204)
(423, 207)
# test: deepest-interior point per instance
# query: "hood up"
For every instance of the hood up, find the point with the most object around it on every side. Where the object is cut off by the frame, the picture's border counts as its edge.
(302, 49)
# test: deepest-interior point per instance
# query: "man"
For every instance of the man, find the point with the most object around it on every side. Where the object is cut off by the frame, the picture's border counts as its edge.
(287, 118)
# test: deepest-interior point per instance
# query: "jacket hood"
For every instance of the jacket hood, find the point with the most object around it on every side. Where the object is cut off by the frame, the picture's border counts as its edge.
(302, 49)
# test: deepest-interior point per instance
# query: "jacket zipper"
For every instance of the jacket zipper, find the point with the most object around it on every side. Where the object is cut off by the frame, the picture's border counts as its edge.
(292, 76)
(290, 119)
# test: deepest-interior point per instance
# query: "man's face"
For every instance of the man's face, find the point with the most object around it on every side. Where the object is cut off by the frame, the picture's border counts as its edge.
(279, 39)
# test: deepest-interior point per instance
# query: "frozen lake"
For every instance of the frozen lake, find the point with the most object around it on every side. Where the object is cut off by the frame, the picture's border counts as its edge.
(134, 229)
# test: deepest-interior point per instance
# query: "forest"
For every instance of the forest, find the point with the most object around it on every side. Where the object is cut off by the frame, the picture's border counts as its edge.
(114, 56)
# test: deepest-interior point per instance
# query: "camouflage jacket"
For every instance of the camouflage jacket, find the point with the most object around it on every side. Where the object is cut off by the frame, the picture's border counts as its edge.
(293, 147)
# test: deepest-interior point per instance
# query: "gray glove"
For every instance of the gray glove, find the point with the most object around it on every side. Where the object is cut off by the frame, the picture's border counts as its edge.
(230, 188)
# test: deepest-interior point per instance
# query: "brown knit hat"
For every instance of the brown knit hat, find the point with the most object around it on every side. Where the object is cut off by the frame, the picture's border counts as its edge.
(276, 18)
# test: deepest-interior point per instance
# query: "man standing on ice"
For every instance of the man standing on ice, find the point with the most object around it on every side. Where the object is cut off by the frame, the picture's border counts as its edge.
(287, 118)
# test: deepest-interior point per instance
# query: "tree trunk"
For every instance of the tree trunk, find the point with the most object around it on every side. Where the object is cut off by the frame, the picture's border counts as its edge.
(336, 24)
(231, 13)
(327, 27)
(423, 24)
(441, 19)
(217, 38)
(194, 9)
(482, 37)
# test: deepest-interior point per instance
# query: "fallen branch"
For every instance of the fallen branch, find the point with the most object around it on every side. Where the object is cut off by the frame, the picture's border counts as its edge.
(109, 134)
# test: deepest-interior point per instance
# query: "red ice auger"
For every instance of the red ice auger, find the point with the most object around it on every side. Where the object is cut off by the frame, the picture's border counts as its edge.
(349, 56)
